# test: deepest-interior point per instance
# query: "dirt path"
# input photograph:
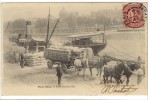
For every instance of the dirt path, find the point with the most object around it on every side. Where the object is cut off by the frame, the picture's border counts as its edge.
(40, 78)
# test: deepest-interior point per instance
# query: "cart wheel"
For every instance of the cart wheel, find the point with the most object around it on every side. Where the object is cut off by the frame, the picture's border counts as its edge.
(50, 64)
(64, 67)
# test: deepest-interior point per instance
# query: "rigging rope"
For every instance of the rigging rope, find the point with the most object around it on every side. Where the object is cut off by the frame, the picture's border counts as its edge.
(121, 51)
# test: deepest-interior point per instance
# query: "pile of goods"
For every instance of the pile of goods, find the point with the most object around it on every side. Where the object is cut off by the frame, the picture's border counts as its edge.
(69, 48)
(35, 59)
(61, 53)
(66, 53)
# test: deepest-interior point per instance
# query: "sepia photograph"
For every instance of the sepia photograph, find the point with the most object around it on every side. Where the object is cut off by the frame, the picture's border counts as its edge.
(74, 49)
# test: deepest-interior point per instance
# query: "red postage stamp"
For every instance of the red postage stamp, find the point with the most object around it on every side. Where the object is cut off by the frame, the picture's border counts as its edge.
(133, 15)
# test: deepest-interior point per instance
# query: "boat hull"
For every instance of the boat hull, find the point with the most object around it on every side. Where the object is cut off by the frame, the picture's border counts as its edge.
(97, 48)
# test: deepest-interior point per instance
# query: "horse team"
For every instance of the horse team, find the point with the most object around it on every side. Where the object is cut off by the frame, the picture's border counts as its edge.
(110, 68)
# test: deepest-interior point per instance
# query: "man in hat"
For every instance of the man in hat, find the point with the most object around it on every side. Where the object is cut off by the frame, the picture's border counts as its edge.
(84, 56)
(11, 58)
(17, 57)
(139, 72)
(22, 60)
(139, 61)
(59, 73)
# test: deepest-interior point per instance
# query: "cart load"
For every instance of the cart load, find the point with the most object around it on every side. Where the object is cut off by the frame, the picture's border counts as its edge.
(65, 55)
(57, 54)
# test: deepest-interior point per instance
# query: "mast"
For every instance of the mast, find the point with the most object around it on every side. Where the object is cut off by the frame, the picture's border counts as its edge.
(104, 27)
(54, 29)
(104, 36)
(7, 27)
(47, 38)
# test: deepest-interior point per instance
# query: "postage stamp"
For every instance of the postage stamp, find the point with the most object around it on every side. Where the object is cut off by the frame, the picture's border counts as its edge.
(133, 15)
(74, 49)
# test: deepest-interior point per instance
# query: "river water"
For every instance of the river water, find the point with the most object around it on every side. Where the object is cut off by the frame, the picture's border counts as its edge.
(124, 44)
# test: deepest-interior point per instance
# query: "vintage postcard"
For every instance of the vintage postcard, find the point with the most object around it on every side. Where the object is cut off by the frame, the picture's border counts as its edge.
(74, 49)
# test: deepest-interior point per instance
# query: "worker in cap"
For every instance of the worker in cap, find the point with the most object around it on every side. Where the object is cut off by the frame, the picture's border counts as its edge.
(22, 60)
(59, 73)
(139, 61)
(139, 72)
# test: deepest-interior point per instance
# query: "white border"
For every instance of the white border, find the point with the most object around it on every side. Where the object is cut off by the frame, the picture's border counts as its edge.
(78, 97)
(68, 97)
(74, 1)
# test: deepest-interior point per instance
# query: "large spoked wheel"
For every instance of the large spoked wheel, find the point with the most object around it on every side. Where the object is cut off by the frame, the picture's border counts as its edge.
(64, 67)
(50, 64)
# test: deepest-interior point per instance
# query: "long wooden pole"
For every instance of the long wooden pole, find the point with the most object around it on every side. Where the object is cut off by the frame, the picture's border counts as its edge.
(48, 24)
(54, 29)
(7, 27)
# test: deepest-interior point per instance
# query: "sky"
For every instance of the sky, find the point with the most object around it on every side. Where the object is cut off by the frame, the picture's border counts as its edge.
(12, 11)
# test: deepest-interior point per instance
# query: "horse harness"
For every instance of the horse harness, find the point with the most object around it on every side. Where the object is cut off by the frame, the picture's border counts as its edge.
(117, 71)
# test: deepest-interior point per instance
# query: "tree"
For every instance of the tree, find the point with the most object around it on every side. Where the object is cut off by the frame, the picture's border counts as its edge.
(41, 25)
(19, 24)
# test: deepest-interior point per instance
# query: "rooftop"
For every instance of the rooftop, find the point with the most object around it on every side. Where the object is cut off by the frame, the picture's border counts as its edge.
(84, 35)
(38, 39)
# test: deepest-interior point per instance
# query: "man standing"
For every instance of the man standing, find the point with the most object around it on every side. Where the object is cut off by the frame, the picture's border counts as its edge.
(22, 60)
(11, 58)
(14, 53)
(59, 73)
(85, 56)
(139, 61)
(139, 74)
(17, 57)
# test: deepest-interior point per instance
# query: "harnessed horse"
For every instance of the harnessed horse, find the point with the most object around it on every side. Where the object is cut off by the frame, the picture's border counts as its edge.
(82, 64)
(118, 71)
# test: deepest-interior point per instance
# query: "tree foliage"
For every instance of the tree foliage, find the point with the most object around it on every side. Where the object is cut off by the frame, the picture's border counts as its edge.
(19, 24)
(72, 20)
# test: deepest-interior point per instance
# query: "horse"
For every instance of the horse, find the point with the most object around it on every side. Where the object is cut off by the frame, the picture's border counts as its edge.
(115, 72)
(79, 66)
(97, 63)
(118, 71)
(127, 73)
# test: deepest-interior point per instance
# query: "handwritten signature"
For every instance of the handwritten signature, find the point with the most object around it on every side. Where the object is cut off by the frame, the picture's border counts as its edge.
(119, 89)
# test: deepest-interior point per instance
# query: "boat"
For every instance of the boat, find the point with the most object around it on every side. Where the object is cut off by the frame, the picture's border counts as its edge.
(97, 41)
